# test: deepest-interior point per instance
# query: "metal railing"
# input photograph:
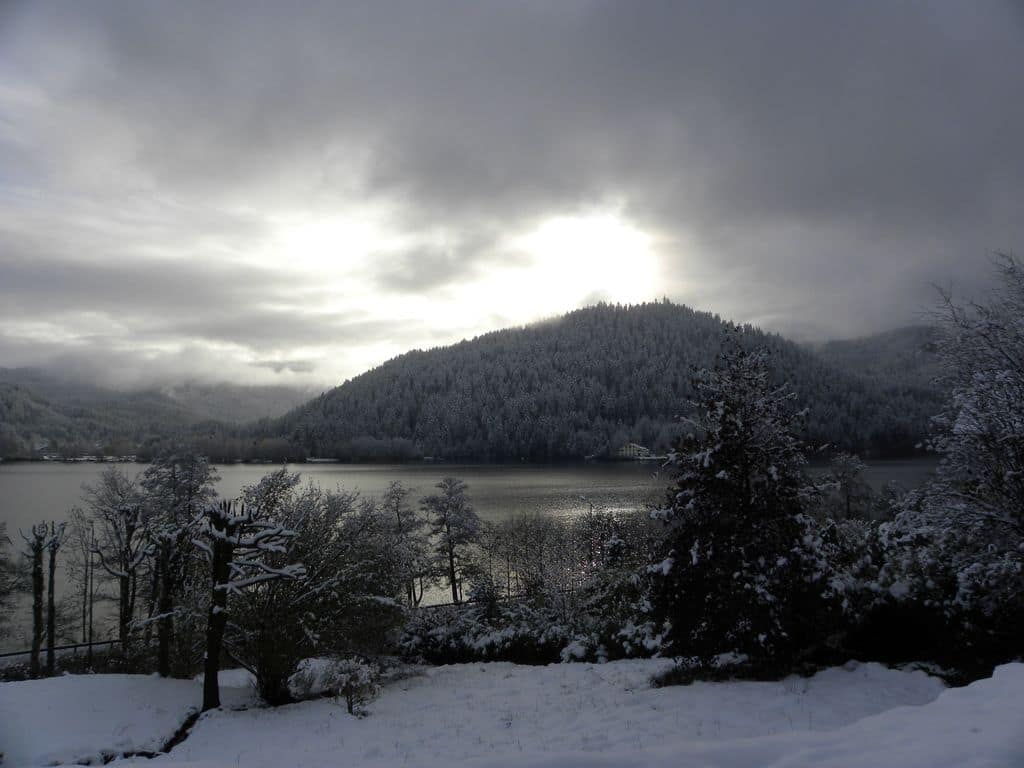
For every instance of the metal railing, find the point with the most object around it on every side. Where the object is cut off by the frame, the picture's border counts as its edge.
(68, 647)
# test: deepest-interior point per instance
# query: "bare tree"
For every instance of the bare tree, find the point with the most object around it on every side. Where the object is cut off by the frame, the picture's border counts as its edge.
(846, 471)
(8, 578)
(121, 543)
(177, 486)
(80, 564)
(411, 540)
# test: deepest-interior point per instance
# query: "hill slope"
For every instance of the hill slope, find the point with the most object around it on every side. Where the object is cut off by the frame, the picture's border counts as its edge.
(43, 410)
(904, 354)
(583, 384)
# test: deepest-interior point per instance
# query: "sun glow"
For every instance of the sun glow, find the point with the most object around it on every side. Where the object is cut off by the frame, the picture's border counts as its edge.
(327, 243)
(581, 259)
(345, 265)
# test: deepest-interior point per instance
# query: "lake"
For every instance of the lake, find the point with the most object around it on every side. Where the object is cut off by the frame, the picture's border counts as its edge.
(32, 492)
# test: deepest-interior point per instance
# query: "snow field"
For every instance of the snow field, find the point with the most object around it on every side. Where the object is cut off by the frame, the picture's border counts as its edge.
(87, 718)
(560, 716)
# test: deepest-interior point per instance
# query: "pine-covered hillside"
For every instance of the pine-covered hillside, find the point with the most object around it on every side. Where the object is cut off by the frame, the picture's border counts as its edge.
(583, 384)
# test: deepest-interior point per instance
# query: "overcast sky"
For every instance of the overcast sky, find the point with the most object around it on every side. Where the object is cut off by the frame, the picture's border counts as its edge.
(294, 192)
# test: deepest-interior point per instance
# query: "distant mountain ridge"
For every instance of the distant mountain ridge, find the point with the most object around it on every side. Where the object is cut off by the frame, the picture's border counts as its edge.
(42, 410)
(580, 385)
(584, 384)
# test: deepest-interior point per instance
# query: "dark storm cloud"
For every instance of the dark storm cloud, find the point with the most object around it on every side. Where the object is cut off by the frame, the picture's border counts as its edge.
(809, 166)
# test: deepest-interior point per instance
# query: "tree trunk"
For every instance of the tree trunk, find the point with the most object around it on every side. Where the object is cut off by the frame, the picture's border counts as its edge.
(124, 617)
(37, 606)
(216, 621)
(451, 575)
(85, 604)
(165, 624)
(92, 593)
(51, 613)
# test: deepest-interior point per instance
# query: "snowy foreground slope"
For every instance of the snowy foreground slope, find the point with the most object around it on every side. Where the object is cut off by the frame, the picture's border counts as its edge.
(566, 716)
(81, 718)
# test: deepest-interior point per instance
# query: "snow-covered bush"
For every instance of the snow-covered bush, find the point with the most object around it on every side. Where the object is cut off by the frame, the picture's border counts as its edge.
(521, 631)
(951, 562)
(346, 602)
(348, 680)
(546, 590)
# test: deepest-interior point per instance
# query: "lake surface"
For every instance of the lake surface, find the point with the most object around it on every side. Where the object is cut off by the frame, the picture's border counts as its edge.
(37, 491)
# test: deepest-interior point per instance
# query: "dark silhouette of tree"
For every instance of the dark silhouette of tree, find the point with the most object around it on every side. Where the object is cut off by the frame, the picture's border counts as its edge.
(738, 575)
(238, 544)
(455, 527)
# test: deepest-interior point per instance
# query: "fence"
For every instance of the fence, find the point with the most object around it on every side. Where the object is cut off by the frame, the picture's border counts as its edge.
(69, 647)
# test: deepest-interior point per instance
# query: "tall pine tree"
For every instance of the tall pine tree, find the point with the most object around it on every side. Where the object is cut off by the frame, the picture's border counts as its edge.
(739, 574)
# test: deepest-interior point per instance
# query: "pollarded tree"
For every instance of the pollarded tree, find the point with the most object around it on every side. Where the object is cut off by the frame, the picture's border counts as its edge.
(739, 575)
(455, 527)
(240, 543)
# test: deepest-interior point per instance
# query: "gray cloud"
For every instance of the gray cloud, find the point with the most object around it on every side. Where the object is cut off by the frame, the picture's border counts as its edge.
(812, 167)
(295, 366)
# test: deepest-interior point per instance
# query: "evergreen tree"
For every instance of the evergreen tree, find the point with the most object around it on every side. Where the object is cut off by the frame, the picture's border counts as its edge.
(739, 575)
(455, 526)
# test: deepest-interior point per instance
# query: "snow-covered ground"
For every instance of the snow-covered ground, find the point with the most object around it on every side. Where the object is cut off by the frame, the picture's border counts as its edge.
(561, 716)
(88, 718)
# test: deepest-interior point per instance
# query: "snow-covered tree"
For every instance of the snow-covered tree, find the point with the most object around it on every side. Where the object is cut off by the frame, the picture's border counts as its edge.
(959, 541)
(739, 575)
(113, 503)
(347, 601)
(455, 527)
(846, 472)
(410, 539)
(176, 485)
(239, 542)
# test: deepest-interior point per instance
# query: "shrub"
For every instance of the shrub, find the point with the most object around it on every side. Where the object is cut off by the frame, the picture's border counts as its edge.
(348, 680)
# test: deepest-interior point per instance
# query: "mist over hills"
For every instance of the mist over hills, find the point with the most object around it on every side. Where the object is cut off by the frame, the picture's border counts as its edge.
(903, 354)
(590, 381)
(46, 411)
(579, 385)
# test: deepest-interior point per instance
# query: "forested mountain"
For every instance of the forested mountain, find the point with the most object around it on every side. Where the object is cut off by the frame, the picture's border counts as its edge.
(902, 355)
(43, 411)
(581, 385)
